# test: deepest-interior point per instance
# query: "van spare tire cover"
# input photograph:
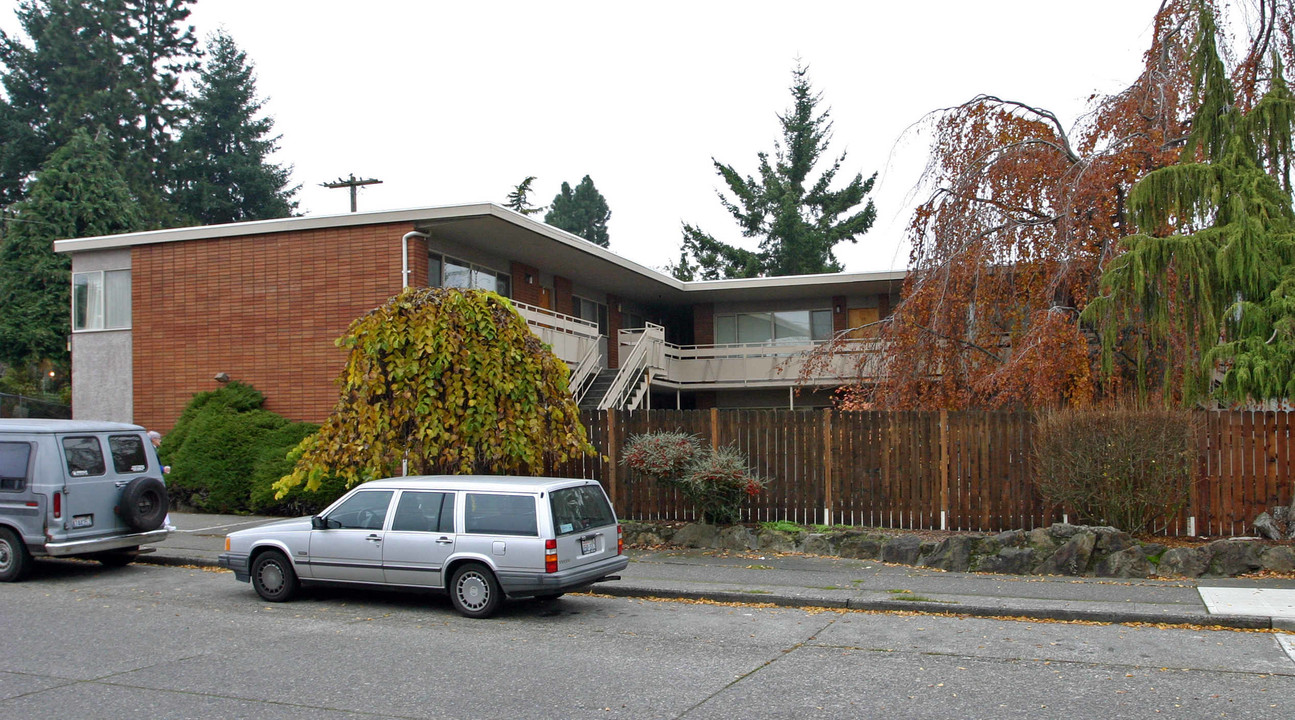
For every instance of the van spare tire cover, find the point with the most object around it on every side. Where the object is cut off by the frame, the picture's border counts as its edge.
(144, 504)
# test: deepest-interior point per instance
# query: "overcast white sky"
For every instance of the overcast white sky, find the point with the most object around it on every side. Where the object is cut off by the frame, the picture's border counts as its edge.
(458, 102)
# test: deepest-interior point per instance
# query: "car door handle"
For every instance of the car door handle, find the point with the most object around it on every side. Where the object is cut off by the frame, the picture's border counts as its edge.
(445, 541)
(374, 538)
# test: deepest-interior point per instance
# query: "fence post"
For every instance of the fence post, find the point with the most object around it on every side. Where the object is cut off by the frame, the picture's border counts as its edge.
(714, 428)
(613, 481)
(827, 466)
(944, 469)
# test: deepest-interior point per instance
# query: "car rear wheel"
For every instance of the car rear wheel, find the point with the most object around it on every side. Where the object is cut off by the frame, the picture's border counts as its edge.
(273, 577)
(14, 559)
(474, 591)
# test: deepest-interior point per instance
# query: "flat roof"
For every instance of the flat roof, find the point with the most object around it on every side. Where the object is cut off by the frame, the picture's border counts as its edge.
(528, 241)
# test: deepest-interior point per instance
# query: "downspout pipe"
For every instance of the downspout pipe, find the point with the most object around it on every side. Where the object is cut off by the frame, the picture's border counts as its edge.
(404, 255)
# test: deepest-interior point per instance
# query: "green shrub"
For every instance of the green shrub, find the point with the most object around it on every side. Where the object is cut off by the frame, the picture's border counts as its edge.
(1126, 467)
(716, 482)
(277, 459)
(225, 452)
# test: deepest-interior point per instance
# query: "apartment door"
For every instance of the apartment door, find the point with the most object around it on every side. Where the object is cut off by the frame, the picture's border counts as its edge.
(546, 298)
(858, 318)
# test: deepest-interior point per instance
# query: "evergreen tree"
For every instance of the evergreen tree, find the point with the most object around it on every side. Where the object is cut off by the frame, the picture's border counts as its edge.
(79, 193)
(519, 199)
(799, 222)
(1211, 274)
(582, 212)
(224, 174)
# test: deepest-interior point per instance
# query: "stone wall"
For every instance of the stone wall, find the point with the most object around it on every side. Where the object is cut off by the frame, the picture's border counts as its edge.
(1054, 550)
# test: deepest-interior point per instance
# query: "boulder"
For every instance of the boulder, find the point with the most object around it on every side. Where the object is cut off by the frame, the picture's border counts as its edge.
(1008, 561)
(1071, 558)
(861, 545)
(1278, 558)
(1040, 540)
(1127, 563)
(737, 537)
(1183, 562)
(1229, 558)
(953, 554)
(1110, 540)
(1266, 526)
(992, 544)
(902, 549)
(776, 540)
(817, 544)
(697, 535)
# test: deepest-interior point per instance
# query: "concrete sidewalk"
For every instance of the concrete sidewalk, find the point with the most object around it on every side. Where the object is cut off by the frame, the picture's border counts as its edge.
(811, 581)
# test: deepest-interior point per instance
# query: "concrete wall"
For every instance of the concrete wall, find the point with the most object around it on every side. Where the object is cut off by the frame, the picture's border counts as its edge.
(102, 387)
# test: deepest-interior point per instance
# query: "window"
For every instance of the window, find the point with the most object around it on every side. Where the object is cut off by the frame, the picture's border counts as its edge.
(632, 321)
(101, 300)
(594, 312)
(14, 458)
(362, 511)
(84, 456)
(579, 508)
(424, 512)
(448, 272)
(500, 515)
(789, 326)
(128, 454)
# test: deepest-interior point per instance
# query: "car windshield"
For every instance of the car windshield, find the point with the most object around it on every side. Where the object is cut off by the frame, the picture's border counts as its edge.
(579, 508)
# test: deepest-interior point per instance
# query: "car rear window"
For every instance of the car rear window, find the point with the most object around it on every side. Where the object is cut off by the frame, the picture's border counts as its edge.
(577, 509)
(424, 512)
(84, 456)
(14, 457)
(128, 453)
(500, 515)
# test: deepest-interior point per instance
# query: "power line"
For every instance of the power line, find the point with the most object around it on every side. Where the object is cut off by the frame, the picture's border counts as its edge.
(352, 183)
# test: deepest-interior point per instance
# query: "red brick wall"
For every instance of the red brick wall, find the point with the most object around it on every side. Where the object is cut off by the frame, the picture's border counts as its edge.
(703, 324)
(523, 291)
(839, 314)
(562, 301)
(614, 321)
(265, 309)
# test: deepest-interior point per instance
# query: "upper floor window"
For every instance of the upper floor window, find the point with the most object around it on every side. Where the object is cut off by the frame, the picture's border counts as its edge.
(594, 312)
(445, 271)
(789, 326)
(101, 300)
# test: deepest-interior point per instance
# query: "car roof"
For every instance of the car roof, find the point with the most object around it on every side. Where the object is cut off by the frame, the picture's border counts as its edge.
(501, 483)
(40, 425)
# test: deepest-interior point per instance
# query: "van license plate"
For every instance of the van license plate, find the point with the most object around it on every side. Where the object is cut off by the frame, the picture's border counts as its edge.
(83, 521)
(588, 545)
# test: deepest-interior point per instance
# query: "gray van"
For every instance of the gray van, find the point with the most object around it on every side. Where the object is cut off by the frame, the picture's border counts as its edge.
(478, 538)
(71, 488)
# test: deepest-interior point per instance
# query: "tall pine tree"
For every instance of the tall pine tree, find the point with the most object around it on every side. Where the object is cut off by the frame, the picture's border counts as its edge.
(79, 193)
(582, 211)
(224, 174)
(798, 221)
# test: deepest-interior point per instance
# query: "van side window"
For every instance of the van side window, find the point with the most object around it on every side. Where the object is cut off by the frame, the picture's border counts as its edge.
(500, 515)
(577, 509)
(14, 458)
(84, 456)
(424, 512)
(128, 453)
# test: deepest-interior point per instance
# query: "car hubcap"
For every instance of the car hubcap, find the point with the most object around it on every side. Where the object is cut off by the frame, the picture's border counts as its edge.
(473, 591)
(271, 577)
(6, 556)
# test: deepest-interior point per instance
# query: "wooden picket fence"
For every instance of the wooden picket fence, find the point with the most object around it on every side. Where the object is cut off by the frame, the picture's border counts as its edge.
(927, 470)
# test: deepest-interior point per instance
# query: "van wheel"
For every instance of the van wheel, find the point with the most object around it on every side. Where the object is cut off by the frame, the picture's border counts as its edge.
(474, 591)
(144, 504)
(273, 577)
(14, 559)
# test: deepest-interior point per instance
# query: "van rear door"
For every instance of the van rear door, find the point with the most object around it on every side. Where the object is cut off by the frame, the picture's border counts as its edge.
(90, 491)
(584, 525)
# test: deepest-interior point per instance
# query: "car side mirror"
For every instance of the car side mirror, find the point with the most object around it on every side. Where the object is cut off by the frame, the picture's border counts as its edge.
(318, 523)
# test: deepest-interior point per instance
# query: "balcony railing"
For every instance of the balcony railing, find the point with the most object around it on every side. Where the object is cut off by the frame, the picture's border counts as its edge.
(570, 337)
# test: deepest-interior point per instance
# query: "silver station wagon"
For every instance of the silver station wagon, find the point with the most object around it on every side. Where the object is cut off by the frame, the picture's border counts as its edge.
(478, 538)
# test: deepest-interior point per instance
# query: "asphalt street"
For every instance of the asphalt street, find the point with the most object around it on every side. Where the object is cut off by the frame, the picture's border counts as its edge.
(83, 640)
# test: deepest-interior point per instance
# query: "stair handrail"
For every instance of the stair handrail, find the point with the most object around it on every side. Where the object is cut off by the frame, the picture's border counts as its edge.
(585, 371)
(633, 365)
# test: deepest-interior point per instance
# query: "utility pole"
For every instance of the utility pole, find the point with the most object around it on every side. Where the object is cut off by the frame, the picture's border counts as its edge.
(352, 183)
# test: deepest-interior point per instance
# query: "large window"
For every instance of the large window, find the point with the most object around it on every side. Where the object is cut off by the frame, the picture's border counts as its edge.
(101, 300)
(594, 312)
(445, 271)
(786, 327)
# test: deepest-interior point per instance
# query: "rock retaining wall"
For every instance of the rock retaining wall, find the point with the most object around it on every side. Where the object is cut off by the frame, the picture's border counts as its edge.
(1054, 550)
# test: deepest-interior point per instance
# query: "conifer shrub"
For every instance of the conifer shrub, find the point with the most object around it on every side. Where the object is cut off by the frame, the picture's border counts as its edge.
(716, 481)
(1130, 468)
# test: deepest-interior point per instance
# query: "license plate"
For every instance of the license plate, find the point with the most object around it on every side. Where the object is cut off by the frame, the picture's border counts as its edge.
(83, 521)
(588, 545)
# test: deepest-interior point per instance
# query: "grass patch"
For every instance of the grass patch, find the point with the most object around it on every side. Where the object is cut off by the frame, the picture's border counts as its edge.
(786, 526)
(758, 592)
(910, 596)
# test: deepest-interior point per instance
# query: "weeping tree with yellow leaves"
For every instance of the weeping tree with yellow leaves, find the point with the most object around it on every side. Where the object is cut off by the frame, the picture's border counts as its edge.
(443, 381)
(1210, 276)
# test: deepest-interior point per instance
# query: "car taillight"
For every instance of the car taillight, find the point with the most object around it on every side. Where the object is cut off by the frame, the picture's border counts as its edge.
(58, 505)
(620, 541)
(550, 556)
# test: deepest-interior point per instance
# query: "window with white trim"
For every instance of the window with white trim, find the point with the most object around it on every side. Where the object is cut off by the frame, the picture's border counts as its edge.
(594, 312)
(784, 327)
(101, 300)
(448, 272)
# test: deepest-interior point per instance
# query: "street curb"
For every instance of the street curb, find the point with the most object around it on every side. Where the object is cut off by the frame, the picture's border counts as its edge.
(1238, 622)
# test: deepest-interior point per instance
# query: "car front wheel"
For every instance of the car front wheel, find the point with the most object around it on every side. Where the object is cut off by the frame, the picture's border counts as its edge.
(14, 560)
(273, 577)
(474, 591)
